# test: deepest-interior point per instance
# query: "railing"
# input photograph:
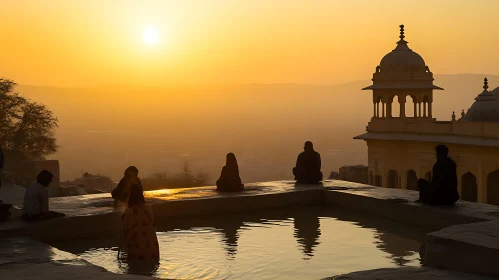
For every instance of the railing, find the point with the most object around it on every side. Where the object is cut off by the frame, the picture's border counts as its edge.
(431, 126)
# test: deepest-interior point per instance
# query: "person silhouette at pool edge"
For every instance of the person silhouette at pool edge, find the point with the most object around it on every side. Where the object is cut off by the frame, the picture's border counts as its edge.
(229, 180)
(308, 166)
(443, 187)
(36, 199)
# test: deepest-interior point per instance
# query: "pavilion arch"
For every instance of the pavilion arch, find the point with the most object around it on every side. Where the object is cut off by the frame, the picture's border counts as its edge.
(469, 188)
(412, 180)
(426, 110)
(396, 106)
(493, 187)
(411, 107)
(393, 180)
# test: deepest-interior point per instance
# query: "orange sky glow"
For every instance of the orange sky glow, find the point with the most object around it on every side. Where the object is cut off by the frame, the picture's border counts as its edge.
(101, 42)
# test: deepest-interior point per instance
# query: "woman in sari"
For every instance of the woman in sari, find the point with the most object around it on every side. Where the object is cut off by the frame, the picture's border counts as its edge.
(229, 180)
(139, 232)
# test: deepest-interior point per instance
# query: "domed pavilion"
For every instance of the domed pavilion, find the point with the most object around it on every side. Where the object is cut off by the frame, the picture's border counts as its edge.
(401, 147)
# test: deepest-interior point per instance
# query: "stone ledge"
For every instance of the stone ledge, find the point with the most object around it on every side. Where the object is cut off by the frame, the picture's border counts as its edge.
(469, 248)
(408, 273)
(25, 258)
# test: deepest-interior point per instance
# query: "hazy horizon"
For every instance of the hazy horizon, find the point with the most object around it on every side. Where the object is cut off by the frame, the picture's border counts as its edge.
(264, 125)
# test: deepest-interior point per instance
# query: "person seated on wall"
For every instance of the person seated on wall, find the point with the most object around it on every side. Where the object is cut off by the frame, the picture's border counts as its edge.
(122, 191)
(139, 238)
(36, 199)
(308, 166)
(443, 187)
(229, 180)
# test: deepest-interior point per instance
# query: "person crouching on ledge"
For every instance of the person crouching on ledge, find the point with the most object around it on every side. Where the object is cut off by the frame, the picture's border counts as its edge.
(308, 166)
(443, 187)
(36, 199)
(229, 180)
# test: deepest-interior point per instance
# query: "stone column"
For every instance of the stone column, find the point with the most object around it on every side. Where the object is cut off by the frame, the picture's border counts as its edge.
(389, 109)
(481, 183)
(419, 109)
(424, 109)
(383, 109)
(402, 108)
(415, 110)
(374, 110)
(429, 109)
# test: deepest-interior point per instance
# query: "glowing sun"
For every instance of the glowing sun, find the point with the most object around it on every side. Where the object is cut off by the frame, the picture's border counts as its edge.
(150, 36)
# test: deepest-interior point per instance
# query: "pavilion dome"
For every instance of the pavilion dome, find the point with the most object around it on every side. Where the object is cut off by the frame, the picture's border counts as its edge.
(485, 108)
(402, 57)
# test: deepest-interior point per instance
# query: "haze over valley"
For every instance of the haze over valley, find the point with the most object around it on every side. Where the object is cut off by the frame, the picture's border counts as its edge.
(102, 130)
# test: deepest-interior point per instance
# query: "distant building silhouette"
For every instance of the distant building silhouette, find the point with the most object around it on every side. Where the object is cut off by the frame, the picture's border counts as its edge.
(400, 147)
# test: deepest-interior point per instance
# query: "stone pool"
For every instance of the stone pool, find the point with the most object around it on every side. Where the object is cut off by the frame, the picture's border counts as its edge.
(304, 242)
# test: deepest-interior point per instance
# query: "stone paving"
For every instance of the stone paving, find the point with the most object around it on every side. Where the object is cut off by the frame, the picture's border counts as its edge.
(25, 258)
(408, 273)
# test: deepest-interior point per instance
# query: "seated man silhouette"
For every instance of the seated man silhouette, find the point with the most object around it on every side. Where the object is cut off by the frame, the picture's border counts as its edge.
(229, 180)
(443, 187)
(36, 199)
(308, 166)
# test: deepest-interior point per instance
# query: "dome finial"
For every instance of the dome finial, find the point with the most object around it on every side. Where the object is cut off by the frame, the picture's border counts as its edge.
(485, 84)
(402, 36)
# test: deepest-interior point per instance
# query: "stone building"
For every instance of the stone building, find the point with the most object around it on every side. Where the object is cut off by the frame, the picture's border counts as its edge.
(401, 147)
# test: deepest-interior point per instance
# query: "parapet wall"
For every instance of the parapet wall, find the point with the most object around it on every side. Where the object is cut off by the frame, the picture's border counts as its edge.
(431, 126)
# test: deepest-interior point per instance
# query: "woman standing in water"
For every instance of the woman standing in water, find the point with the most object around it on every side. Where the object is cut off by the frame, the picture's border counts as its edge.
(139, 232)
(229, 180)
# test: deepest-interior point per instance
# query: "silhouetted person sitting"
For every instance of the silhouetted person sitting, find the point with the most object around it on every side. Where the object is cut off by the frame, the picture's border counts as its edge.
(122, 191)
(443, 187)
(36, 199)
(308, 166)
(229, 180)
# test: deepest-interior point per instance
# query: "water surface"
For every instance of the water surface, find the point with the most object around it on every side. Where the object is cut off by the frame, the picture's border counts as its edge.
(293, 243)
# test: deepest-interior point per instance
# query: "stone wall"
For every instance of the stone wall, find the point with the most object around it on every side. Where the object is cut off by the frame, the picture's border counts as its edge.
(354, 173)
(477, 167)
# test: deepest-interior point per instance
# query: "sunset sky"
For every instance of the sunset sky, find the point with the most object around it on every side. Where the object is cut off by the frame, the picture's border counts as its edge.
(159, 43)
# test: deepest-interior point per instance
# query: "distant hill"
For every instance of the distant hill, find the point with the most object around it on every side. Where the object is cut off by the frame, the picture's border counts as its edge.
(104, 129)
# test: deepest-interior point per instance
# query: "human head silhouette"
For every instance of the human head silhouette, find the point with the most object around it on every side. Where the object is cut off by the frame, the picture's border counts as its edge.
(441, 151)
(131, 171)
(308, 146)
(231, 160)
(44, 178)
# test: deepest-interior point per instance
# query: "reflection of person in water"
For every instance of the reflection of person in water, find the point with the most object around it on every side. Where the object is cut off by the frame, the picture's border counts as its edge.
(231, 237)
(307, 232)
